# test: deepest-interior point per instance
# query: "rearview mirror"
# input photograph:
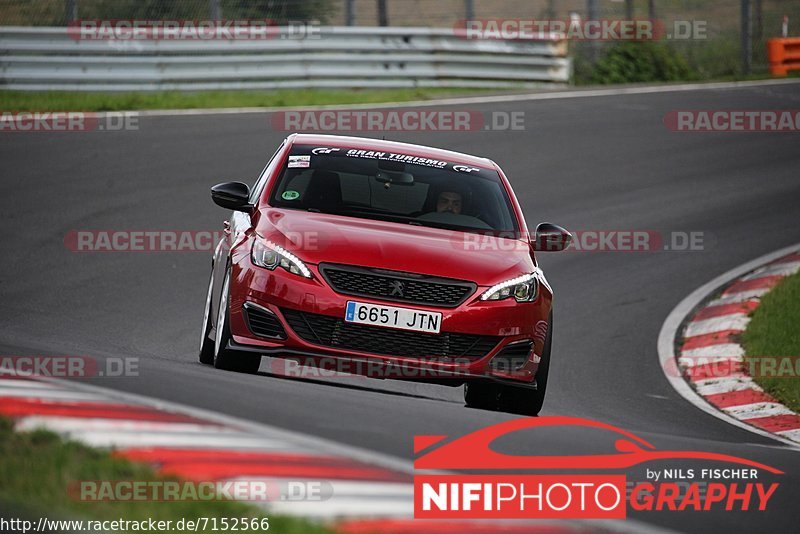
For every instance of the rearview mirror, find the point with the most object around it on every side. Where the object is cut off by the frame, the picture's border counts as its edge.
(232, 195)
(551, 238)
(398, 178)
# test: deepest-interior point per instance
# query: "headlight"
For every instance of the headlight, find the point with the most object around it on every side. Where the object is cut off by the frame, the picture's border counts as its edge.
(269, 255)
(523, 288)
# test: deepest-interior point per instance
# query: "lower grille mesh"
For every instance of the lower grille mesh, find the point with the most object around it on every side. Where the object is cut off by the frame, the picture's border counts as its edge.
(336, 333)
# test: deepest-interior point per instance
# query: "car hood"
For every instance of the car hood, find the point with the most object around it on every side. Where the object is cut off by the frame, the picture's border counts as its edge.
(320, 238)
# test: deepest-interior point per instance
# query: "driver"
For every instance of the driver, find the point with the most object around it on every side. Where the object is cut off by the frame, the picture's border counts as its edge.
(449, 202)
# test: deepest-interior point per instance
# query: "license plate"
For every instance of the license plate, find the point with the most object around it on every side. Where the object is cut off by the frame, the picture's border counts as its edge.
(393, 317)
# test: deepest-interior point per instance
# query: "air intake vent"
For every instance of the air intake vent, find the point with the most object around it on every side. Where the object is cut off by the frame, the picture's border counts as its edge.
(512, 357)
(263, 322)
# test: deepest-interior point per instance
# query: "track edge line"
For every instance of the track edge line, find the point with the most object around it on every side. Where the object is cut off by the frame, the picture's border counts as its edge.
(679, 314)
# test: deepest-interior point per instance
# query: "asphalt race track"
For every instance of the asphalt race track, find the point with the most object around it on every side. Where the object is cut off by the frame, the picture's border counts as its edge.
(597, 163)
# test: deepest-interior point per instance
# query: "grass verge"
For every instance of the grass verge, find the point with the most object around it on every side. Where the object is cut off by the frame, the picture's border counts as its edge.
(86, 101)
(773, 332)
(37, 468)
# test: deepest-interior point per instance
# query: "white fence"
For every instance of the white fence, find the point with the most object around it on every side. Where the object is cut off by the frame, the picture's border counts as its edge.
(40, 59)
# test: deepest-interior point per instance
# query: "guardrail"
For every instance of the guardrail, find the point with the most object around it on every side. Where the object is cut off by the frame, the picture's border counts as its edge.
(784, 55)
(39, 59)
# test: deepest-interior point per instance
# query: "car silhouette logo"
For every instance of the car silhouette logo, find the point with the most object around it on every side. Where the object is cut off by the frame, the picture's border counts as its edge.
(474, 451)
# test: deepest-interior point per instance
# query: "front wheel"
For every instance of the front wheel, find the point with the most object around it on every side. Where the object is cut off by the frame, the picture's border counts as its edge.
(525, 401)
(481, 395)
(224, 358)
(206, 345)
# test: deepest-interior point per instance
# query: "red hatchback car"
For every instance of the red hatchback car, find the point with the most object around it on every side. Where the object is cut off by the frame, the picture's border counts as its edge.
(385, 259)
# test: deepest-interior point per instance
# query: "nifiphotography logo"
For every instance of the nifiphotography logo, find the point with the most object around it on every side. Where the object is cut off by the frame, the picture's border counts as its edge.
(598, 489)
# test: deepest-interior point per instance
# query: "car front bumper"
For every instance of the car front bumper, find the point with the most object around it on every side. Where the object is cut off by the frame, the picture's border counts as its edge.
(507, 323)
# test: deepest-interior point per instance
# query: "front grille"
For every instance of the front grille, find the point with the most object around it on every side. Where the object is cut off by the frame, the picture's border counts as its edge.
(512, 357)
(397, 286)
(336, 333)
(263, 323)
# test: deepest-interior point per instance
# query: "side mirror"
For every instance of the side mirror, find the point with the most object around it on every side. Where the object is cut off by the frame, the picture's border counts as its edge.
(232, 195)
(551, 238)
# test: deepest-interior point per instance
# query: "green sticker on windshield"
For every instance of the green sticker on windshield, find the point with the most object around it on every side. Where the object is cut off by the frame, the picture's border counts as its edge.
(290, 195)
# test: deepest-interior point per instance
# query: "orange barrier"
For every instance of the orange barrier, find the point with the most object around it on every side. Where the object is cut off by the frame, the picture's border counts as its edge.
(784, 55)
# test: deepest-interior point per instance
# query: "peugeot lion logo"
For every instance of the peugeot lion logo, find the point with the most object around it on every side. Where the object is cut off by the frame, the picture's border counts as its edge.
(397, 288)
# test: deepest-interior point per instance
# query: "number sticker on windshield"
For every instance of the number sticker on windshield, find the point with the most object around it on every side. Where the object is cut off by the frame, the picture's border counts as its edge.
(299, 162)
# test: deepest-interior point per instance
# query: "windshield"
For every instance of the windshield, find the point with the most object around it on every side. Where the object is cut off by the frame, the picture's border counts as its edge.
(394, 187)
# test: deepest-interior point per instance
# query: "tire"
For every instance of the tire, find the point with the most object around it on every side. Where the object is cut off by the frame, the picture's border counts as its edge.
(481, 395)
(206, 345)
(524, 401)
(225, 358)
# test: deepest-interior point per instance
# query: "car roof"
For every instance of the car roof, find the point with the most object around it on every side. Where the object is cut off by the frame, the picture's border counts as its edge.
(365, 143)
